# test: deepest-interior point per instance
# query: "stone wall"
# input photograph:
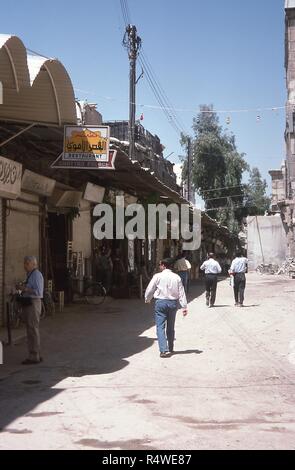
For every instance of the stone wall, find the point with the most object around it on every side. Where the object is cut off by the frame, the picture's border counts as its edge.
(267, 241)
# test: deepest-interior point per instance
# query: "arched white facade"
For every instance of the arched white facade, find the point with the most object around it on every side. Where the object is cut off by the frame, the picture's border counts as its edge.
(35, 89)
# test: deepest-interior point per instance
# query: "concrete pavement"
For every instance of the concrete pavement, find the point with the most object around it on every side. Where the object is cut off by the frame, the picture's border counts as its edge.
(230, 384)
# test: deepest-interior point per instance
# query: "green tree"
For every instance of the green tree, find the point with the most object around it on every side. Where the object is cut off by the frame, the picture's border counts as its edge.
(256, 200)
(217, 169)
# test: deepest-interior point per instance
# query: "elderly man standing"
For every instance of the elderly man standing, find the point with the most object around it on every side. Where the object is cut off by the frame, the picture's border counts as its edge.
(167, 288)
(32, 293)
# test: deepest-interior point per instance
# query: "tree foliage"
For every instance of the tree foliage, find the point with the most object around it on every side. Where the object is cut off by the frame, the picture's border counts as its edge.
(256, 200)
(217, 169)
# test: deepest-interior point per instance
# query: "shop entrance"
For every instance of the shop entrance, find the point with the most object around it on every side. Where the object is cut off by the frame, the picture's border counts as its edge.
(58, 235)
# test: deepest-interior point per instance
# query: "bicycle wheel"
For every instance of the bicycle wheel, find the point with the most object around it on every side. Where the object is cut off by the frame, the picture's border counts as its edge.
(48, 303)
(43, 310)
(95, 294)
(15, 311)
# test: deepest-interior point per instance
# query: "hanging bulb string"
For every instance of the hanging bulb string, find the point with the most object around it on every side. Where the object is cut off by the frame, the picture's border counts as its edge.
(194, 110)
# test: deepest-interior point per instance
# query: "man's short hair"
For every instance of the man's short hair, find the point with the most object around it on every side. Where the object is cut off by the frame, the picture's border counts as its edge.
(167, 262)
(211, 255)
(238, 254)
(31, 259)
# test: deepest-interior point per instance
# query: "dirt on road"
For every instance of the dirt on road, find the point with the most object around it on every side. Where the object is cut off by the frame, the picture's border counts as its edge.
(102, 385)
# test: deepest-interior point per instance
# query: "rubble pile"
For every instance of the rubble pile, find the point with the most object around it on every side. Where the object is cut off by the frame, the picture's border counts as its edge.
(267, 269)
(288, 267)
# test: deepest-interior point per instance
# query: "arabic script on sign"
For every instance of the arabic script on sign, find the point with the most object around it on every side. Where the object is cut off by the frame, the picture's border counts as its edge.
(82, 143)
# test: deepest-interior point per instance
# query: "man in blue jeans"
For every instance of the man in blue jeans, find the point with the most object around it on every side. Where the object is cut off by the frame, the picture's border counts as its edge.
(167, 289)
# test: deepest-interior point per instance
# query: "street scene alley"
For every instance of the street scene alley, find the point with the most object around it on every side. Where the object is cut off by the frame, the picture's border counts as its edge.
(102, 385)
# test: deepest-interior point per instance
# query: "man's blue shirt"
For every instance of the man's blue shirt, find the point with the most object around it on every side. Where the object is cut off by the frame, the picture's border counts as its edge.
(36, 283)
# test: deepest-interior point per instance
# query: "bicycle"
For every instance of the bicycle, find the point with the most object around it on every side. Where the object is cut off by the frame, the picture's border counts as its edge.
(48, 305)
(94, 293)
(14, 310)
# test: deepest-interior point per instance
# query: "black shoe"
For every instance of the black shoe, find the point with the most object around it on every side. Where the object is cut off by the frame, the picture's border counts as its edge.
(165, 354)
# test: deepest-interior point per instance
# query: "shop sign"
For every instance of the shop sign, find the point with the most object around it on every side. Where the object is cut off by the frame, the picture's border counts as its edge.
(10, 178)
(38, 184)
(86, 148)
(65, 198)
(94, 193)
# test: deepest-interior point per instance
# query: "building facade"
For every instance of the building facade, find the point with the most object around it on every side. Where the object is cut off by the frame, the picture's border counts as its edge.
(283, 179)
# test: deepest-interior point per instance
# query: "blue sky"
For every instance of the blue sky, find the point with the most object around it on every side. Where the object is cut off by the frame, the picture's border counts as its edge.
(229, 53)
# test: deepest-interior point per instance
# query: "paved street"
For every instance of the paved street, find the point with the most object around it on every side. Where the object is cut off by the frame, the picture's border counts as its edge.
(102, 385)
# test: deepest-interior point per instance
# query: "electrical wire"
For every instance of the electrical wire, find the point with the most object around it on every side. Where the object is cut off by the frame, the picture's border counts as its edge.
(231, 187)
(224, 197)
(125, 12)
(153, 82)
(166, 100)
(239, 206)
(170, 107)
(156, 88)
(37, 53)
(184, 109)
(159, 98)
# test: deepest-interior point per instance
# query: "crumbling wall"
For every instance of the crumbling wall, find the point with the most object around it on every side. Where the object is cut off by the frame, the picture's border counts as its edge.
(267, 241)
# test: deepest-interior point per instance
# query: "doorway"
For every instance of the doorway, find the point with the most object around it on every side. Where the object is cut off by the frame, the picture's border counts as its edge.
(59, 232)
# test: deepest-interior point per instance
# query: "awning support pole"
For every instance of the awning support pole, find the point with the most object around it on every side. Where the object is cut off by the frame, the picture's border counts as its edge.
(17, 134)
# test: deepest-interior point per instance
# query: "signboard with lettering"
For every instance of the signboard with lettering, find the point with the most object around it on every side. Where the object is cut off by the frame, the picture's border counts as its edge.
(10, 178)
(86, 147)
(94, 193)
(37, 184)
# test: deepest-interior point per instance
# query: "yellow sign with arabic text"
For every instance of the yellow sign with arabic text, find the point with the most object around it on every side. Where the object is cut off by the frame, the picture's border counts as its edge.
(84, 144)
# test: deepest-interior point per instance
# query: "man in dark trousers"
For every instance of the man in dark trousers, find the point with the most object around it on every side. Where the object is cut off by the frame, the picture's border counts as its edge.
(212, 268)
(167, 288)
(237, 270)
(32, 292)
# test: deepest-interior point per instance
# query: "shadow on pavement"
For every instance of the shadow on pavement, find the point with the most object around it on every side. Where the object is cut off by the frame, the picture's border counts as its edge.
(196, 289)
(254, 305)
(82, 340)
(219, 306)
(188, 351)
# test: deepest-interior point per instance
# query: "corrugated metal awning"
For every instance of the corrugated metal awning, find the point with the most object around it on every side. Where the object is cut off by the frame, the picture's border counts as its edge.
(44, 144)
(289, 4)
(35, 89)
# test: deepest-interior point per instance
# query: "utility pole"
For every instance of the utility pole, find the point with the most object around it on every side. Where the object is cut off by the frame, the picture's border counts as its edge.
(133, 44)
(189, 168)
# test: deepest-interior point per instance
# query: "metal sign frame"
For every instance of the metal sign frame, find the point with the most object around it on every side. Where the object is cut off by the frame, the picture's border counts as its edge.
(80, 153)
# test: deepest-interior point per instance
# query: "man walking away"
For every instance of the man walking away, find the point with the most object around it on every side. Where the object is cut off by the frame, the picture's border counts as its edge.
(32, 293)
(238, 269)
(182, 266)
(212, 268)
(167, 288)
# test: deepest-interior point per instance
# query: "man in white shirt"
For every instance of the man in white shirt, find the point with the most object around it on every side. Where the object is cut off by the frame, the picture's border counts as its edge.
(238, 269)
(212, 268)
(167, 288)
(182, 266)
